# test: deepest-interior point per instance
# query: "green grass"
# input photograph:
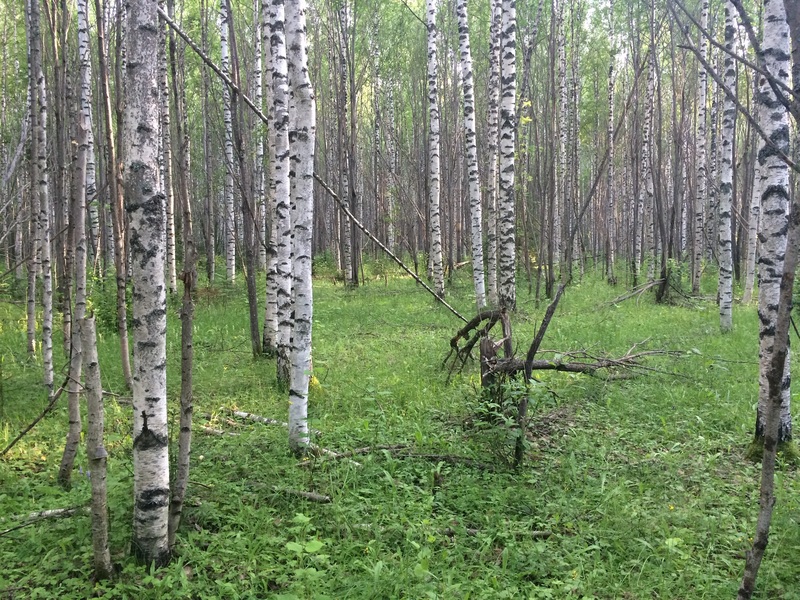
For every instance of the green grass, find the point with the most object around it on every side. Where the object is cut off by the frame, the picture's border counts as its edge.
(642, 482)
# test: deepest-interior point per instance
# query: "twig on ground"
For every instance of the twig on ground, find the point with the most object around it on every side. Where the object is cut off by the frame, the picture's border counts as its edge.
(310, 496)
(259, 419)
(212, 431)
(32, 518)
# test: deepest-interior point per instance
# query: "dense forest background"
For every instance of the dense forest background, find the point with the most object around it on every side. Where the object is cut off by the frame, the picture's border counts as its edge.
(158, 155)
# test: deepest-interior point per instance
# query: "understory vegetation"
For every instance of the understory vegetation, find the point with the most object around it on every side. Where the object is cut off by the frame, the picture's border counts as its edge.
(635, 484)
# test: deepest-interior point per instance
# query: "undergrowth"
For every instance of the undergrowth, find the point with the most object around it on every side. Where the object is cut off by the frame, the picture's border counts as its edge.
(631, 487)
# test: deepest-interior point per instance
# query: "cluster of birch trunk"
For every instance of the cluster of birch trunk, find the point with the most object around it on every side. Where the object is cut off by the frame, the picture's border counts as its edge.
(515, 138)
(86, 214)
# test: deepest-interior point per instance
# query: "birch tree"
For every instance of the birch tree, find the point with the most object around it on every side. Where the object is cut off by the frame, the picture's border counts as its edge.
(726, 181)
(774, 184)
(492, 144)
(144, 204)
(41, 246)
(282, 230)
(78, 239)
(475, 209)
(302, 141)
(507, 290)
(116, 193)
(434, 176)
(229, 217)
(96, 452)
(700, 158)
(611, 208)
(165, 156)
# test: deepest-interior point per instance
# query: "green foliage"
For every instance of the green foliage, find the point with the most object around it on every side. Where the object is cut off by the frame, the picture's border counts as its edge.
(632, 488)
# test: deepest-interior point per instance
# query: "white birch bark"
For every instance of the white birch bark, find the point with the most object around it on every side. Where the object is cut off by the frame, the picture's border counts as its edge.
(492, 143)
(229, 218)
(726, 181)
(611, 205)
(165, 156)
(302, 157)
(473, 174)
(258, 170)
(95, 450)
(434, 176)
(144, 203)
(44, 226)
(507, 263)
(774, 210)
(559, 205)
(78, 227)
(648, 185)
(35, 241)
(270, 335)
(282, 200)
(700, 159)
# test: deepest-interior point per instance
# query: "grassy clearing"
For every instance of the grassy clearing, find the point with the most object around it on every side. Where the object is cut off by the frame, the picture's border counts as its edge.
(642, 482)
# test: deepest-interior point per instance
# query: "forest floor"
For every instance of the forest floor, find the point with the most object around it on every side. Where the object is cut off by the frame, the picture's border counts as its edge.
(632, 488)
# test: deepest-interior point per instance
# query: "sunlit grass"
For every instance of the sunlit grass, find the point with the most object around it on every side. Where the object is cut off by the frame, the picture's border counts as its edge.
(640, 483)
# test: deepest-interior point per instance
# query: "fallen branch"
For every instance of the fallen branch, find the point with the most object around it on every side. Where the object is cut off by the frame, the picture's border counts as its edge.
(212, 431)
(630, 361)
(42, 515)
(320, 451)
(637, 291)
(356, 452)
(264, 420)
(310, 496)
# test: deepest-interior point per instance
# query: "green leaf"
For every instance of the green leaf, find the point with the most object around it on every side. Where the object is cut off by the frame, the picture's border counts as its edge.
(294, 547)
(313, 546)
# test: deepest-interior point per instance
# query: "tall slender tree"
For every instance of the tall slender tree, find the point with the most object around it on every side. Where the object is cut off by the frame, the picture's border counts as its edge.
(726, 180)
(144, 204)
(700, 157)
(302, 140)
(473, 174)
(507, 263)
(774, 174)
(434, 175)
(229, 207)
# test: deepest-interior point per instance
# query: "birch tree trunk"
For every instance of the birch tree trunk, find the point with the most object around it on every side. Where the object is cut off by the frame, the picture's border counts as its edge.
(189, 278)
(42, 192)
(774, 215)
(35, 73)
(116, 197)
(281, 184)
(78, 239)
(700, 196)
(492, 143)
(259, 198)
(165, 155)
(754, 214)
(303, 137)
(269, 340)
(726, 181)
(144, 203)
(507, 288)
(473, 174)
(434, 176)
(230, 216)
(611, 207)
(95, 450)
